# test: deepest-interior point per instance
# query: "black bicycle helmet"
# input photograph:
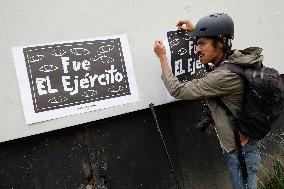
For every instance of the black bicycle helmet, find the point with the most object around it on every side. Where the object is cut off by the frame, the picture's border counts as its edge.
(215, 25)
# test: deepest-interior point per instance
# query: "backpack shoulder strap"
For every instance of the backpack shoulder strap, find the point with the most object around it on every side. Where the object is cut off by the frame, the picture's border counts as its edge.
(232, 67)
(235, 69)
(223, 105)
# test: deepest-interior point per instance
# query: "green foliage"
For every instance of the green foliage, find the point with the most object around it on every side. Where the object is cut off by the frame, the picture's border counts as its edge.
(275, 178)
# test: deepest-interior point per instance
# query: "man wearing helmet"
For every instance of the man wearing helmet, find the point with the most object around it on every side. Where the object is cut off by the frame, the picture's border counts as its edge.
(214, 34)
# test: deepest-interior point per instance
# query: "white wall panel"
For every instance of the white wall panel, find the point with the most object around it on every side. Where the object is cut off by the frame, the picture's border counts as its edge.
(23, 23)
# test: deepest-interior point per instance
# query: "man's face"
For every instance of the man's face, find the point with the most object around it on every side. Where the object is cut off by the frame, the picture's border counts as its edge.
(206, 51)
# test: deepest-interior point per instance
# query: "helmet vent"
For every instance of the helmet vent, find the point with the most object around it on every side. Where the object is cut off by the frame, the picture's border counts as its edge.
(203, 29)
(212, 15)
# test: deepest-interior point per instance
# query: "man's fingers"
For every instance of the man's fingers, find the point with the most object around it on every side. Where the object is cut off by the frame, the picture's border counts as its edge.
(180, 23)
(159, 48)
(185, 25)
(158, 43)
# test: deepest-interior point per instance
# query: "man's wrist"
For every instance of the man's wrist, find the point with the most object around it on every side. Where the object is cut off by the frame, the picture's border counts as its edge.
(163, 58)
(164, 63)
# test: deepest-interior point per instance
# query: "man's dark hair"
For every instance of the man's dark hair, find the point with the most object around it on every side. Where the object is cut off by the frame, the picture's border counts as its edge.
(225, 41)
(218, 39)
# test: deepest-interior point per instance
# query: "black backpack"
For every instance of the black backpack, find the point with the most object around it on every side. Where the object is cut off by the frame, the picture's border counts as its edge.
(262, 102)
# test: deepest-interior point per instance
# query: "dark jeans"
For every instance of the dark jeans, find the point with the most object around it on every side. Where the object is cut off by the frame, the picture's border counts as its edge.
(252, 157)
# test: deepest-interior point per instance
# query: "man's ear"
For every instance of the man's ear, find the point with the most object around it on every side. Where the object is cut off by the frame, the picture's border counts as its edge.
(225, 40)
(220, 45)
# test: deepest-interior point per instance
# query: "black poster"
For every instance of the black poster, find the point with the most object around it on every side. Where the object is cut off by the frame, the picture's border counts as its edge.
(184, 60)
(68, 74)
(66, 78)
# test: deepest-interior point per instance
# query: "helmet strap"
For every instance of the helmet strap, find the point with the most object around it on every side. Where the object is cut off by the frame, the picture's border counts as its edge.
(228, 46)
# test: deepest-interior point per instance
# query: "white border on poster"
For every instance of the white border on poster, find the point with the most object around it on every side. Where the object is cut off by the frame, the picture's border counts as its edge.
(25, 91)
(168, 53)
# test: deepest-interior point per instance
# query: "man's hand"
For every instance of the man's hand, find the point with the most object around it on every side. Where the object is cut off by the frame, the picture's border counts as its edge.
(186, 25)
(160, 51)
